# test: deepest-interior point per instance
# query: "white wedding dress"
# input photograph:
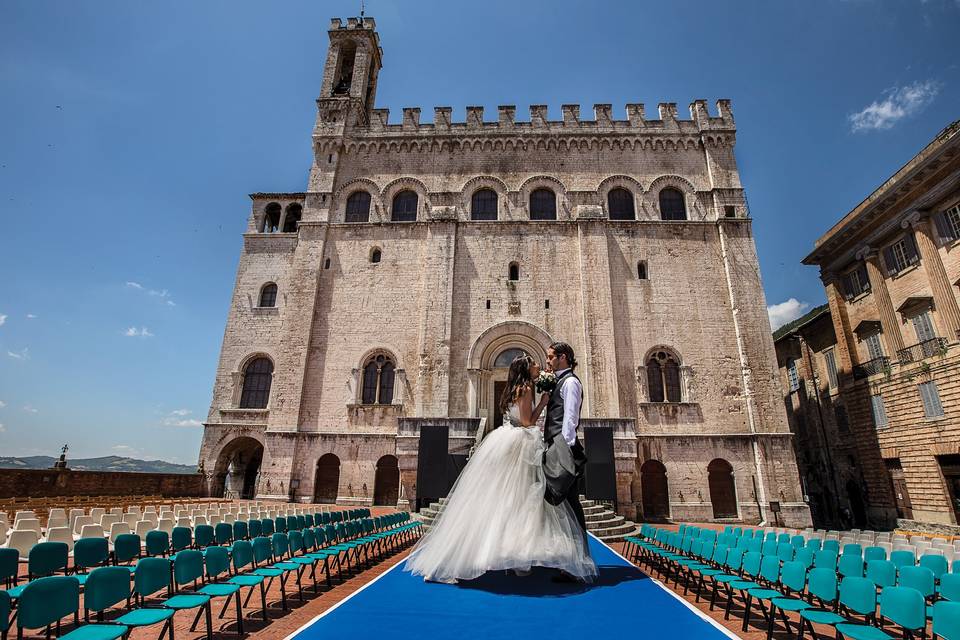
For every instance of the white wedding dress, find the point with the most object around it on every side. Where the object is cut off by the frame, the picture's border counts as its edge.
(496, 516)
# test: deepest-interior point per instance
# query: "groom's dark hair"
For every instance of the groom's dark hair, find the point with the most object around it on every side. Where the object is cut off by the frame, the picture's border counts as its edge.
(563, 349)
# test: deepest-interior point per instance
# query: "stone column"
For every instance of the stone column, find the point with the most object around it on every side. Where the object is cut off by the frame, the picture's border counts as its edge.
(473, 393)
(943, 298)
(846, 353)
(881, 299)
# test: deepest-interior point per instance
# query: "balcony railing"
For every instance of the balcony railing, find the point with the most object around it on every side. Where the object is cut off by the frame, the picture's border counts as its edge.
(921, 350)
(871, 367)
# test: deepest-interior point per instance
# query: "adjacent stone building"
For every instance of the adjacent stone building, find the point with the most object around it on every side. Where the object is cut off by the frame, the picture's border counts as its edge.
(891, 269)
(425, 254)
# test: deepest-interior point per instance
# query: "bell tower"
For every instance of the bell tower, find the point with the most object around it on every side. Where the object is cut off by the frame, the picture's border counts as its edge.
(349, 76)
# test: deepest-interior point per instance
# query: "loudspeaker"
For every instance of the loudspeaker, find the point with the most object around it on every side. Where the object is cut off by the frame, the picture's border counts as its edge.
(600, 474)
(432, 464)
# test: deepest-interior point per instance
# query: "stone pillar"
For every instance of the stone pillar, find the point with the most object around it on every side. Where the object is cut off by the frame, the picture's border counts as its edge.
(846, 353)
(881, 298)
(473, 393)
(943, 298)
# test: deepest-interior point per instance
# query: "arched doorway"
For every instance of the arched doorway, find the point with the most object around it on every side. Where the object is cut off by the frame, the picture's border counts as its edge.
(653, 486)
(386, 482)
(501, 369)
(237, 471)
(723, 492)
(326, 483)
(857, 505)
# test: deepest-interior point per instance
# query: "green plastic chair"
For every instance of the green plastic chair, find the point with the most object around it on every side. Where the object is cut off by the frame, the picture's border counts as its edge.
(903, 558)
(793, 580)
(188, 569)
(203, 536)
(108, 586)
(223, 533)
(946, 620)
(770, 575)
(831, 545)
(750, 570)
(87, 554)
(805, 555)
(919, 578)
(822, 588)
(815, 544)
(240, 530)
(903, 606)
(158, 543)
(853, 549)
(266, 527)
(45, 601)
(152, 575)
(180, 539)
(255, 529)
(883, 573)
(950, 587)
(936, 563)
(785, 552)
(262, 555)
(825, 558)
(241, 554)
(850, 565)
(126, 548)
(858, 596)
(5, 606)
(47, 558)
(281, 549)
(280, 524)
(874, 553)
(9, 567)
(217, 562)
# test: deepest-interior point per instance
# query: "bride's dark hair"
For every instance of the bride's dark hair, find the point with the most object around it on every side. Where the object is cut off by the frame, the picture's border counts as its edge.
(517, 380)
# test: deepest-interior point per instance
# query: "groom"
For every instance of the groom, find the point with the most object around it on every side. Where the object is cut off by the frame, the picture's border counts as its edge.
(563, 417)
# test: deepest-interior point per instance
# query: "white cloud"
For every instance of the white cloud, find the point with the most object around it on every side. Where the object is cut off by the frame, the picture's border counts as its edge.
(897, 103)
(3, 429)
(181, 412)
(781, 314)
(173, 422)
(134, 285)
(163, 294)
(3, 319)
(29, 408)
(23, 354)
(142, 332)
(2, 404)
(31, 316)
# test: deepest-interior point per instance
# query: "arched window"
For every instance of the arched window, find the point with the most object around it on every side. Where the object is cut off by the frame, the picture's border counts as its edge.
(663, 377)
(344, 77)
(723, 492)
(543, 205)
(378, 379)
(620, 205)
(271, 218)
(483, 205)
(358, 207)
(268, 295)
(404, 207)
(514, 271)
(642, 270)
(506, 357)
(256, 384)
(292, 221)
(672, 206)
(375, 255)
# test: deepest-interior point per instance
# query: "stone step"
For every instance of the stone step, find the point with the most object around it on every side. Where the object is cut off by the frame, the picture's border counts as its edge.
(622, 529)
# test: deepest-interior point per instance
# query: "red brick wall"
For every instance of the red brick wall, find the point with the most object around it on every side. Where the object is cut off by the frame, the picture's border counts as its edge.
(40, 483)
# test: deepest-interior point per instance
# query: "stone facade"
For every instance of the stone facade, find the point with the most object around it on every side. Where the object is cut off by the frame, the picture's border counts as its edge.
(439, 295)
(891, 268)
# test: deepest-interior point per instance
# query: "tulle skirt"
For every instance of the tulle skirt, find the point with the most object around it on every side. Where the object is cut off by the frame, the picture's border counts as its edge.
(496, 517)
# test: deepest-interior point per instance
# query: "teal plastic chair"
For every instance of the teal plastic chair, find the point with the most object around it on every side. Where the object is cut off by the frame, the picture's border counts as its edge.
(319, 551)
(822, 589)
(858, 596)
(850, 565)
(281, 554)
(919, 578)
(280, 524)
(203, 536)
(43, 559)
(188, 569)
(87, 554)
(223, 533)
(46, 601)
(9, 567)
(750, 570)
(815, 544)
(902, 606)
(255, 529)
(263, 555)
(950, 587)
(217, 562)
(874, 553)
(5, 606)
(108, 586)
(266, 527)
(152, 575)
(785, 551)
(831, 545)
(852, 549)
(769, 547)
(946, 620)
(825, 558)
(158, 543)
(798, 542)
(883, 573)
(770, 575)
(903, 558)
(126, 548)
(793, 580)
(805, 555)
(180, 539)
(308, 521)
(936, 563)
(241, 554)
(240, 530)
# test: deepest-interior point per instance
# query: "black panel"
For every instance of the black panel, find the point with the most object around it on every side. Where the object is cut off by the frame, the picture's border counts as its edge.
(600, 473)
(432, 475)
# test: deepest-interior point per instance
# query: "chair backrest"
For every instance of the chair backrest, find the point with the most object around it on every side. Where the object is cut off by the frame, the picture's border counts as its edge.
(770, 569)
(919, 578)
(904, 606)
(793, 575)
(152, 575)
(946, 620)
(785, 551)
(874, 553)
(950, 586)
(936, 563)
(281, 545)
(262, 549)
(203, 535)
(266, 527)
(106, 587)
(831, 545)
(805, 555)
(825, 558)
(118, 529)
(9, 564)
(296, 541)
(47, 558)
(240, 530)
(883, 573)
(126, 547)
(223, 533)
(217, 561)
(188, 566)
(144, 527)
(91, 531)
(822, 583)
(814, 543)
(850, 565)
(61, 534)
(903, 558)
(241, 554)
(158, 543)
(166, 524)
(46, 600)
(90, 552)
(255, 527)
(858, 595)
(23, 540)
(181, 538)
(281, 524)
(107, 519)
(751, 563)
(852, 549)
(24, 524)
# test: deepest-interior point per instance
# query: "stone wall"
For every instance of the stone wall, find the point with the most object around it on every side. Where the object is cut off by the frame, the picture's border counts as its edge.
(44, 483)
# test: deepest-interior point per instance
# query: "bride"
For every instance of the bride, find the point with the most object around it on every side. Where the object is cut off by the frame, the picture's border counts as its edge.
(496, 516)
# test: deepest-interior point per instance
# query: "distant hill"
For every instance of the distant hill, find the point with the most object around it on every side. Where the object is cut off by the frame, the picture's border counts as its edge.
(106, 463)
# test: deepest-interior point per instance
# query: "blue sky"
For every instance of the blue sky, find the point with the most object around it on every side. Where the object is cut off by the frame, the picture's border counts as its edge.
(132, 133)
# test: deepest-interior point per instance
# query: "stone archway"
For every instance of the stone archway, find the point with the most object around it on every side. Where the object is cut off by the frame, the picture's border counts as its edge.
(723, 491)
(237, 470)
(386, 482)
(326, 484)
(654, 491)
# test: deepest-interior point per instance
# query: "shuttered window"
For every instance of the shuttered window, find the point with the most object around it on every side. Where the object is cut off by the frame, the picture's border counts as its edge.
(900, 255)
(923, 327)
(874, 348)
(856, 282)
(879, 414)
(792, 374)
(948, 223)
(831, 368)
(931, 400)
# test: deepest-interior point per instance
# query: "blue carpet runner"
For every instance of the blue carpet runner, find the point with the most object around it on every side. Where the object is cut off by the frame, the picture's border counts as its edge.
(624, 603)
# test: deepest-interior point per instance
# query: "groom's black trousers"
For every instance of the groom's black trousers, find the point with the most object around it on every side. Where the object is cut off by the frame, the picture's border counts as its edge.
(573, 494)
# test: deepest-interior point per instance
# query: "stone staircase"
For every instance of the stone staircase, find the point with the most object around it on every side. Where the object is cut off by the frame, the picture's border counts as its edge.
(601, 521)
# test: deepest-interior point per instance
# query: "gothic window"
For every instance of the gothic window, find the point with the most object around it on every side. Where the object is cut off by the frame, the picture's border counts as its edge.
(271, 218)
(663, 377)
(514, 271)
(292, 221)
(672, 206)
(358, 207)
(483, 205)
(543, 205)
(256, 384)
(642, 270)
(404, 207)
(620, 205)
(268, 295)
(378, 378)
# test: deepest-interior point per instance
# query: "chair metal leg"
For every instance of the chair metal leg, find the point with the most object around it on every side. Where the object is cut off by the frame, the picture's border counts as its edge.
(209, 608)
(239, 615)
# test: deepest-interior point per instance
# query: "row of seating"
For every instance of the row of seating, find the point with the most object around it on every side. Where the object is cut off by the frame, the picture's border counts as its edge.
(811, 584)
(190, 578)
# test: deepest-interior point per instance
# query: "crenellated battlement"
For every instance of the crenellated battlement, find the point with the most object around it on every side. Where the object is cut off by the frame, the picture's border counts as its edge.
(603, 120)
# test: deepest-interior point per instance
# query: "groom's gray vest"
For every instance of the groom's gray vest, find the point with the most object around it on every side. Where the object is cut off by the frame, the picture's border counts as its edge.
(553, 423)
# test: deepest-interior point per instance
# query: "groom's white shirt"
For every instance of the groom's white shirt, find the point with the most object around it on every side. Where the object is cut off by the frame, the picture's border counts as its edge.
(571, 392)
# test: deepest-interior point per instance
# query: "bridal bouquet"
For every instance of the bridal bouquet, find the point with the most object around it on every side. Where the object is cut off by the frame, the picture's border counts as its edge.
(546, 382)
